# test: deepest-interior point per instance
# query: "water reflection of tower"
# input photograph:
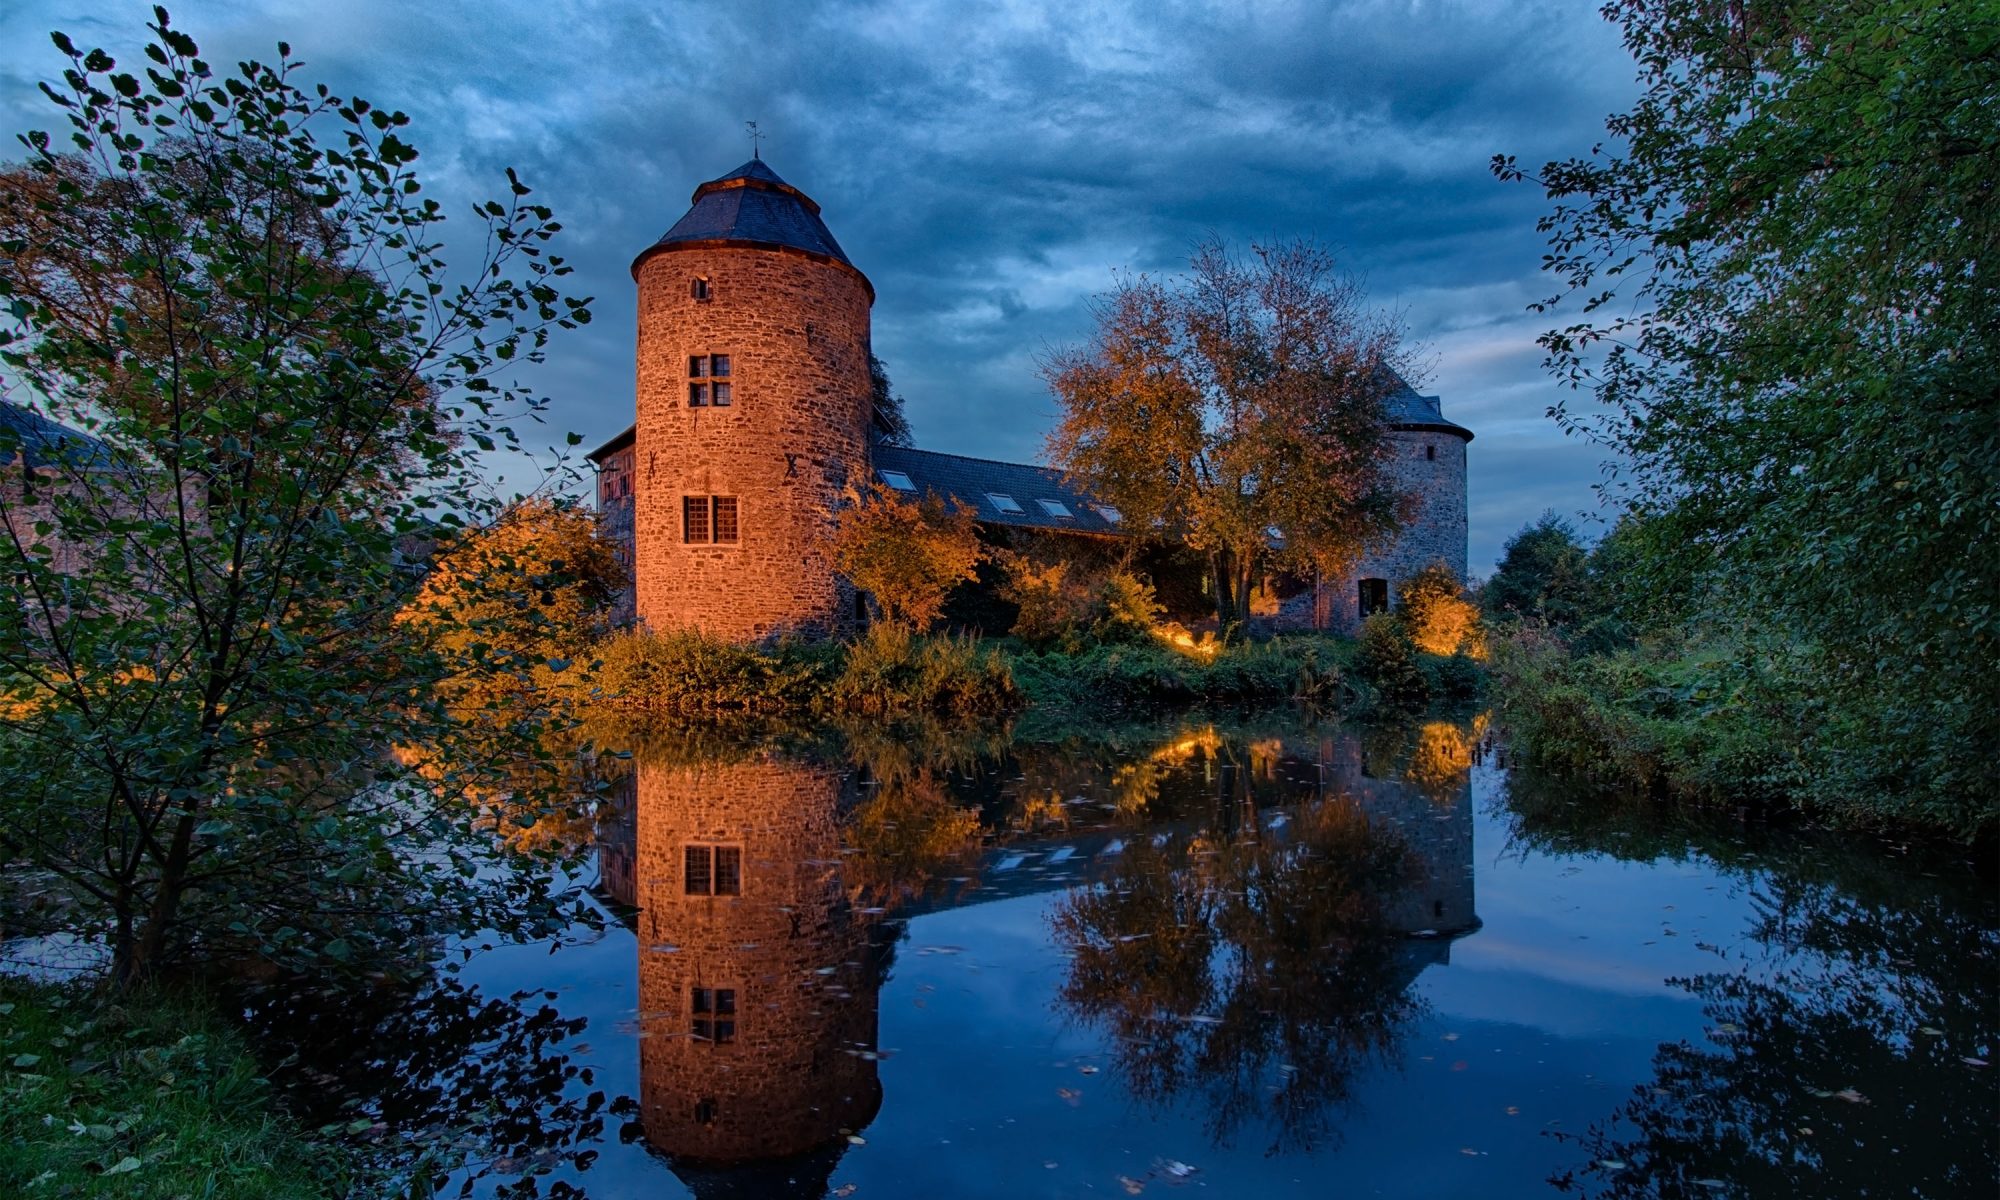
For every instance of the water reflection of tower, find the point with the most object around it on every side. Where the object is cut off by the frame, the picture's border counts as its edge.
(1428, 801)
(758, 982)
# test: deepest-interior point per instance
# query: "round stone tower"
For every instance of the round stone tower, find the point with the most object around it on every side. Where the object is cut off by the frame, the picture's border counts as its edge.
(753, 410)
(1427, 466)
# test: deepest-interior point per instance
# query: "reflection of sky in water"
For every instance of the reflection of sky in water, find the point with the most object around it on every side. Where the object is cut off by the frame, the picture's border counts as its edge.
(1545, 1019)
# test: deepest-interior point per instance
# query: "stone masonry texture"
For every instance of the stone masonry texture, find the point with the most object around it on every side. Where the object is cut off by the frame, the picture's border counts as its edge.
(800, 1069)
(796, 328)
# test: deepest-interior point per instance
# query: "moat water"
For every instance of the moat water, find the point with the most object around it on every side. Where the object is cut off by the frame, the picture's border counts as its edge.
(1250, 956)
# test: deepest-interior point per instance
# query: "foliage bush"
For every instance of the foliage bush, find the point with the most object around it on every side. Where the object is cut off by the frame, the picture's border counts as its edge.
(1439, 616)
(888, 670)
(686, 671)
(1387, 662)
(1148, 674)
(146, 1097)
(1129, 610)
(892, 670)
(907, 554)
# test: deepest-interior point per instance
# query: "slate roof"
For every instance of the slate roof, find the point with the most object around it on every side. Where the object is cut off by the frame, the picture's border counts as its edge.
(617, 443)
(1407, 410)
(752, 204)
(973, 481)
(41, 442)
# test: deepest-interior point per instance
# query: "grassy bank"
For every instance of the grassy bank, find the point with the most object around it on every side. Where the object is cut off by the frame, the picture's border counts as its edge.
(150, 1096)
(1711, 723)
(890, 672)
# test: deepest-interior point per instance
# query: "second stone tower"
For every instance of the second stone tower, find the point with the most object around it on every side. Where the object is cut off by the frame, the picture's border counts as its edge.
(753, 411)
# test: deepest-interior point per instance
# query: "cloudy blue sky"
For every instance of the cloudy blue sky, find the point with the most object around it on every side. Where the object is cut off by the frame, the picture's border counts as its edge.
(990, 165)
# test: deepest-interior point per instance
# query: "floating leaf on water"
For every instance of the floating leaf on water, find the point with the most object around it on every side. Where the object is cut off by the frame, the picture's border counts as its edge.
(1132, 1186)
(1851, 1096)
(1932, 1030)
(1611, 1164)
(846, 1189)
(1970, 1061)
(855, 1139)
(1177, 1168)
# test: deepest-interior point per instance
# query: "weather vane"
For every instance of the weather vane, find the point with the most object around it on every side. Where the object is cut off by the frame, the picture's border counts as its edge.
(755, 137)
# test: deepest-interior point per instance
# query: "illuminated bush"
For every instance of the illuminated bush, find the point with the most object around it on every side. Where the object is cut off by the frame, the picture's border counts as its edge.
(1440, 617)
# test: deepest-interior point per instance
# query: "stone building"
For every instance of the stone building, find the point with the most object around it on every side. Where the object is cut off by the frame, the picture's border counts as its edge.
(762, 956)
(754, 414)
(757, 974)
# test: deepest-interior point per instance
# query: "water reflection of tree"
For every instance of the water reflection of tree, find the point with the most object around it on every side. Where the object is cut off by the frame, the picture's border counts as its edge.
(1841, 1074)
(1254, 973)
(450, 1082)
(1808, 1086)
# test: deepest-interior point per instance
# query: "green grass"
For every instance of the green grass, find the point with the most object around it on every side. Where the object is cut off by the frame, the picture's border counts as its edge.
(145, 1097)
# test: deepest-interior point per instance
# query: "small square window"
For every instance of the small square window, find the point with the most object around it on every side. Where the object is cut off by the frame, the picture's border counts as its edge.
(714, 1014)
(1056, 508)
(698, 288)
(712, 870)
(706, 376)
(897, 480)
(1004, 503)
(1108, 513)
(709, 521)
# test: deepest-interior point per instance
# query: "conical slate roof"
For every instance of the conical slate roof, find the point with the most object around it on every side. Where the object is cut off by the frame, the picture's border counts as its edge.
(752, 205)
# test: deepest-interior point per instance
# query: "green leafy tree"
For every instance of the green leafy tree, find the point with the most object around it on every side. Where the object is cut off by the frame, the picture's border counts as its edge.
(1788, 260)
(1246, 398)
(233, 283)
(1543, 573)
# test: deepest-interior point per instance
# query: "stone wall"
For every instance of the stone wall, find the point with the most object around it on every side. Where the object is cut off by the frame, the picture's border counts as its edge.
(615, 487)
(1433, 530)
(800, 1068)
(797, 331)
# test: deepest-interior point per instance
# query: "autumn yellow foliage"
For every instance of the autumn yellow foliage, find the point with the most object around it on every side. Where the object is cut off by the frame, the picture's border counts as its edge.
(908, 554)
(1441, 618)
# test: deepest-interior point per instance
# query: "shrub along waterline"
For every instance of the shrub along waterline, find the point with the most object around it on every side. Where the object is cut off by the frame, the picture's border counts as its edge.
(893, 671)
(150, 1096)
(1710, 723)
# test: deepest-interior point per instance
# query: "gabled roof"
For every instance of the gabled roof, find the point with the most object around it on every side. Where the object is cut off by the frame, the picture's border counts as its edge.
(617, 443)
(38, 442)
(974, 481)
(752, 206)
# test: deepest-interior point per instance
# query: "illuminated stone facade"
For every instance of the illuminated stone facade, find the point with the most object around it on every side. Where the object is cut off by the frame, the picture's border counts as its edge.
(758, 979)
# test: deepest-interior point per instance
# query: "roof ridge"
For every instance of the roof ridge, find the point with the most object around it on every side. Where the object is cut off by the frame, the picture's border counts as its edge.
(998, 462)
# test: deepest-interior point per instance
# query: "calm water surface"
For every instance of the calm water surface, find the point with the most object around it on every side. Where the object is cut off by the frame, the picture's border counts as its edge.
(1234, 957)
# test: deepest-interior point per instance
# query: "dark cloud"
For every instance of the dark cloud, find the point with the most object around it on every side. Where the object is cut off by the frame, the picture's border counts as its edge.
(991, 166)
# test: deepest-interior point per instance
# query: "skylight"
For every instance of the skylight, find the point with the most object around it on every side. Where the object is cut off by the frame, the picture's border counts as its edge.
(897, 480)
(1056, 508)
(1004, 503)
(1108, 513)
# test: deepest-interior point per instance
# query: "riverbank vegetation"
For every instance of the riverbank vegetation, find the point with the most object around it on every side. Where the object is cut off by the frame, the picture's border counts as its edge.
(148, 1095)
(1786, 259)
